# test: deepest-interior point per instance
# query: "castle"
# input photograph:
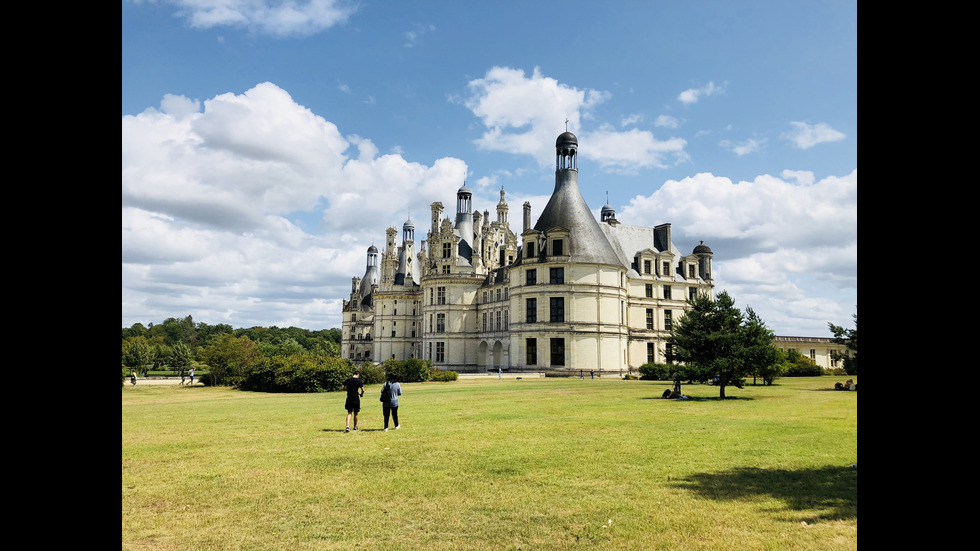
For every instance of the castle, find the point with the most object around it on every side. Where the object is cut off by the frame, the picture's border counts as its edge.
(570, 294)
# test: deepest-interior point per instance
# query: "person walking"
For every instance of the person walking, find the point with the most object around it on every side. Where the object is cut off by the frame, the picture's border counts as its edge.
(132, 378)
(389, 400)
(183, 377)
(192, 377)
(355, 389)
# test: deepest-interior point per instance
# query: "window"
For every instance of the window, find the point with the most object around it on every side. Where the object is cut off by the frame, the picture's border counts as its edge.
(557, 351)
(669, 353)
(649, 318)
(440, 352)
(557, 309)
(692, 292)
(813, 354)
(445, 269)
(498, 320)
(353, 317)
(667, 320)
(557, 276)
(532, 351)
(667, 291)
(447, 250)
(484, 321)
(440, 323)
(557, 247)
(532, 277)
(666, 269)
(650, 348)
(690, 271)
(430, 323)
(506, 319)
(646, 266)
(530, 249)
(531, 312)
(498, 294)
(649, 290)
(441, 295)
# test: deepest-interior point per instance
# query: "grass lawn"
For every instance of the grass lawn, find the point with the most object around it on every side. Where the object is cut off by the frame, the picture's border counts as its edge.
(493, 464)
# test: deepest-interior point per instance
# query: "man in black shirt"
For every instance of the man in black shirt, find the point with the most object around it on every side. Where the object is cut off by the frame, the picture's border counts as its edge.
(353, 404)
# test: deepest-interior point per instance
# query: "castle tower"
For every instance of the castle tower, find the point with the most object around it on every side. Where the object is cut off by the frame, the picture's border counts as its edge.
(464, 221)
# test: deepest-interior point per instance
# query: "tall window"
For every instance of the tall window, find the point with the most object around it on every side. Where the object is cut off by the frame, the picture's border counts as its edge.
(692, 292)
(447, 250)
(650, 348)
(557, 351)
(646, 266)
(441, 299)
(649, 290)
(557, 247)
(557, 309)
(531, 312)
(506, 319)
(440, 352)
(440, 323)
(667, 291)
(532, 351)
(667, 320)
(530, 249)
(690, 271)
(557, 276)
(532, 277)
(499, 327)
(484, 321)
(649, 318)
(666, 269)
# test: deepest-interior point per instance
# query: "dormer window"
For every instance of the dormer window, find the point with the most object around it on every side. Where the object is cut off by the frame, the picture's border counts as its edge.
(530, 249)
(557, 247)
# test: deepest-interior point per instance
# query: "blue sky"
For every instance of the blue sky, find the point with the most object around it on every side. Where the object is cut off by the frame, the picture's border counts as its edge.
(266, 144)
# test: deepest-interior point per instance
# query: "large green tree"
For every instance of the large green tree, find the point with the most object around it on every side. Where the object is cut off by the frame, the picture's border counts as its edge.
(849, 338)
(230, 359)
(715, 341)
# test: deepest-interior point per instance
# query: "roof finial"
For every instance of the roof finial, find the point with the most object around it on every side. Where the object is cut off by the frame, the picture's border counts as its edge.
(566, 124)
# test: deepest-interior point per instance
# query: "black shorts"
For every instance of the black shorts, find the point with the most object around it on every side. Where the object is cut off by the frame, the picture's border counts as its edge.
(353, 405)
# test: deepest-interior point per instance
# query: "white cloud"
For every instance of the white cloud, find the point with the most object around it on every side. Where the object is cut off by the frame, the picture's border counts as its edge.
(772, 239)
(805, 136)
(524, 114)
(666, 121)
(208, 196)
(692, 95)
(271, 17)
(750, 145)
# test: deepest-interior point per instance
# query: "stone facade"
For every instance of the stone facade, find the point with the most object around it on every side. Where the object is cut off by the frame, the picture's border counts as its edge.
(569, 294)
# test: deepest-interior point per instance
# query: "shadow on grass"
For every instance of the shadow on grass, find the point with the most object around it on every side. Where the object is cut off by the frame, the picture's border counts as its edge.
(700, 398)
(828, 493)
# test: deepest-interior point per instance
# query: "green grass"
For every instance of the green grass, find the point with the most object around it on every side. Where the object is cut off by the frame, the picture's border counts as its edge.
(493, 464)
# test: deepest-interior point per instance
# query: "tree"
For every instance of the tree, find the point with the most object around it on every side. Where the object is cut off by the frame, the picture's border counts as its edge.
(230, 359)
(180, 356)
(710, 341)
(847, 337)
(761, 355)
(136, 354)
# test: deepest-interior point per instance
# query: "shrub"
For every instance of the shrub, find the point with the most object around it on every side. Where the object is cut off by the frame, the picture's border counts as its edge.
(655, 372)
(444, 375)
(303, 372)
(804, 369)
(629, 377)
(372, 374)
(412, 370)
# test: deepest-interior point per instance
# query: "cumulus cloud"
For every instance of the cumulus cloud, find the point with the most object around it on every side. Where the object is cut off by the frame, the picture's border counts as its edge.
(781, 243)
(692, 95)
(210, 192)
(523, 114)
(805, 136)
(279, 18)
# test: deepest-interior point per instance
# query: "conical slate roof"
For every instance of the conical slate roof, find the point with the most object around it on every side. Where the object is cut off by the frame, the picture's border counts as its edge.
(567, 209)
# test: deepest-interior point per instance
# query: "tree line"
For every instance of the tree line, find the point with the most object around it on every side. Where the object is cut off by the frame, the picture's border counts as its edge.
(177, 344)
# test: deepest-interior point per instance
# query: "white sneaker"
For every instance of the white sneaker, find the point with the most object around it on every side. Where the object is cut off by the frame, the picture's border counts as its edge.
(397, 427)
(386, 430)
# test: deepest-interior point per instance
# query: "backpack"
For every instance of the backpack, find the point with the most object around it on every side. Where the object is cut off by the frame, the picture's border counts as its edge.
(386, 393)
